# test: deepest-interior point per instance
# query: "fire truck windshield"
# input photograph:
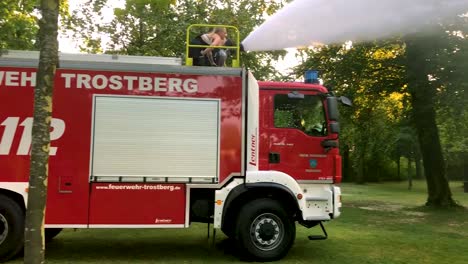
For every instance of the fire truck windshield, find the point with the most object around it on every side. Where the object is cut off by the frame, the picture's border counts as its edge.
(305, 114)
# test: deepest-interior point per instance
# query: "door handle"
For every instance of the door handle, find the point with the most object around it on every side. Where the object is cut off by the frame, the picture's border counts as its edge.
(328, 144)
(65, 184)
(274, 157)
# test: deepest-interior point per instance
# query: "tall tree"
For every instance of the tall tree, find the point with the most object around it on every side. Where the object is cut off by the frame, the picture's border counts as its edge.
(452, 113)
(48, 60)
(432, 73)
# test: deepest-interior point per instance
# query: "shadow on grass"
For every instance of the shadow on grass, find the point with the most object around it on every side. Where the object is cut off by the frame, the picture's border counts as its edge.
(175, 250)
(435, 209)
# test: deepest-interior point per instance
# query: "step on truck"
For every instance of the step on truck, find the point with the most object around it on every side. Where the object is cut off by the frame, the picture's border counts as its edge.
(144, 142)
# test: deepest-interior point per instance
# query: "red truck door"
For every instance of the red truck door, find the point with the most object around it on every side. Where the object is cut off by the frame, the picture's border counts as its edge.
(295, 126)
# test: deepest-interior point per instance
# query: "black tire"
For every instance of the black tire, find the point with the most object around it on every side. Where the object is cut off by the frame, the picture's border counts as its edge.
(229, 227)
(50, 233)
(11, 228)
(228, 231)
(264, 230)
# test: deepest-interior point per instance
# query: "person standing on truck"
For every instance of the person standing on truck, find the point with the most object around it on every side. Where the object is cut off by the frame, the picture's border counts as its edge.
(209, 56)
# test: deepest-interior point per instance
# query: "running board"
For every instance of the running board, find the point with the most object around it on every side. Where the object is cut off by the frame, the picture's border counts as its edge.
(320, 237)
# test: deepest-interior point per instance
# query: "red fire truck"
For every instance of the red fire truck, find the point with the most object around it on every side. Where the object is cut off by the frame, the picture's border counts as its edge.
(143, 142)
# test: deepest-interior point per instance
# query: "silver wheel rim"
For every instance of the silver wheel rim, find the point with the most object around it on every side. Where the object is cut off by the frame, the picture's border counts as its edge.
(3, 229)
(267, 231)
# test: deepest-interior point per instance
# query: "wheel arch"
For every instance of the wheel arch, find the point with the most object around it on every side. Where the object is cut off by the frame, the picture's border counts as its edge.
(13, 216)
(244, 193)
(15, 196)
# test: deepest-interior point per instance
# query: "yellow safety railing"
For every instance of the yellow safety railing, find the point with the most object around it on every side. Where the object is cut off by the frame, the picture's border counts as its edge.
(235, 61)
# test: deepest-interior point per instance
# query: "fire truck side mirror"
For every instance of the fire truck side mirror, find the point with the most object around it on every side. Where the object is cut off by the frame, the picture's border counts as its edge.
(345, 101)
(335, 128)
(332, 107)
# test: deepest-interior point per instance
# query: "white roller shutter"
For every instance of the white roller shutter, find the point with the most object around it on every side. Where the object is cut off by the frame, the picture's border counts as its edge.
(154, 138)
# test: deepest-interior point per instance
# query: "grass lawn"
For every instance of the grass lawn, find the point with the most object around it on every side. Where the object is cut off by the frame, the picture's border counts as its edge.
(381, 223)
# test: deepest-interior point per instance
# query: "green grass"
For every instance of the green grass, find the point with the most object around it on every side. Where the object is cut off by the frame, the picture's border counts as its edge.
(381, 223)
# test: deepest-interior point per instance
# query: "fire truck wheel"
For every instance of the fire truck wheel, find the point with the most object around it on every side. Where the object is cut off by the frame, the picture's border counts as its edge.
(50, 233)
(11, 228)
(265, 232)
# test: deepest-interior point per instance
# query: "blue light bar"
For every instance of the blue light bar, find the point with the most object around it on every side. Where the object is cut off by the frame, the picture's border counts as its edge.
(311, 76)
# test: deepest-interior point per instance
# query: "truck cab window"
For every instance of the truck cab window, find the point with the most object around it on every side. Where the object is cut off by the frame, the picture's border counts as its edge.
(305, 114)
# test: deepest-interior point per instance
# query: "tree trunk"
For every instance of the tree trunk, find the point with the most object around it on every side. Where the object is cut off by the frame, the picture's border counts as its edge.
(423, 93)
(398, 168)
(418, 169)
(347, 169)
(34, 227)
(358, 164)
(410, 179)
(465, 172)
(439, 193)
(417, 161)
(361, 162)
(359, 179)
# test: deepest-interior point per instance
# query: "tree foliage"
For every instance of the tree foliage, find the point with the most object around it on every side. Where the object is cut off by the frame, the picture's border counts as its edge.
(18, 25)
